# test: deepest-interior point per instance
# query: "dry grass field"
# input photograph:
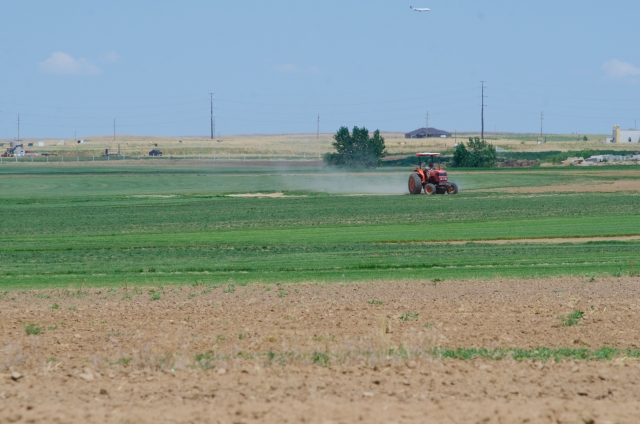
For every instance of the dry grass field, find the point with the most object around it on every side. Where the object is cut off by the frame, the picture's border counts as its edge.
(297, 145)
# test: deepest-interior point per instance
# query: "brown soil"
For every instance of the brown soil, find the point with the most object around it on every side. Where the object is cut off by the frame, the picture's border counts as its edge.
(558, 240)
(271, 195)
(75, 372)
(620, 185)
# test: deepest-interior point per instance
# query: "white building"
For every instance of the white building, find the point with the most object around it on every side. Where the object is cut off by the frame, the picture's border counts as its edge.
(625, 136)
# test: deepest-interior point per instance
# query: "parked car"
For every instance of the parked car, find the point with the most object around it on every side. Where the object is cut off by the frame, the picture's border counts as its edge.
(155, 152)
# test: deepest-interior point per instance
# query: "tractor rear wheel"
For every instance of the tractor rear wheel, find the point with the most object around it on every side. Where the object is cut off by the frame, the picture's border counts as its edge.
(453, 188)
(429, 189)
(415, 184)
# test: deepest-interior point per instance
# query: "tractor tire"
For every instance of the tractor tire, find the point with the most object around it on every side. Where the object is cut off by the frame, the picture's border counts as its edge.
(453, 188)
(429, 189)
(415, 184)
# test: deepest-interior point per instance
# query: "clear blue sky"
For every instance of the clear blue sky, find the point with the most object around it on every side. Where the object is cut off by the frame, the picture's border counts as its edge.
(275, 65)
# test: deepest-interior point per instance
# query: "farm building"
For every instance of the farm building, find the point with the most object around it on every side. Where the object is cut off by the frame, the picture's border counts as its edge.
(422, 133)
(625, 136)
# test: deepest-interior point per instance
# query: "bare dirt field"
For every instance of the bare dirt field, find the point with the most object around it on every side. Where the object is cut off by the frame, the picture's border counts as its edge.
(320, 353)
(615, 186)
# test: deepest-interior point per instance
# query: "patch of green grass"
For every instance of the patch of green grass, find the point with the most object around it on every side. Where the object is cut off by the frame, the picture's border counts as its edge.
(51, 359)
(282, 293)
(206, 360)
(32, 329)
(73, 308)
(52, 327)
(572, 319)
(155, 296)
(54, 306)
(407, 316)
(374, 302)
(320, 358)
(124, 361)
(324, 339)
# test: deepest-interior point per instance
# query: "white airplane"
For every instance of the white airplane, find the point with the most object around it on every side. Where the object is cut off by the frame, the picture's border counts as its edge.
(421, 9)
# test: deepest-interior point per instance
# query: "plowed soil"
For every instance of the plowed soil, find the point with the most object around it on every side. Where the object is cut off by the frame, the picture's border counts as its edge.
(314, 353)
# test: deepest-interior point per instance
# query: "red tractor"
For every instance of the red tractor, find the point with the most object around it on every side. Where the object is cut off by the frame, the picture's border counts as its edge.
(433, 180)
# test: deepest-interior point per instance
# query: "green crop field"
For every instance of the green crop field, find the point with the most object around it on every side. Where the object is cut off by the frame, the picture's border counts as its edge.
(68, 225)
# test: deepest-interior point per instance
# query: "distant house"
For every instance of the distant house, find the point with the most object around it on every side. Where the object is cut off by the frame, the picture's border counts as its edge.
(422, 133)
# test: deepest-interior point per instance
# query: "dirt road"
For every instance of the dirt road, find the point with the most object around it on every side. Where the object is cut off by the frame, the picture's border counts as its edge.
(320, 353)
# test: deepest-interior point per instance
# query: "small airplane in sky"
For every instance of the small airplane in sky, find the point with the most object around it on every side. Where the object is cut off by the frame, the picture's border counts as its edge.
(419, 9)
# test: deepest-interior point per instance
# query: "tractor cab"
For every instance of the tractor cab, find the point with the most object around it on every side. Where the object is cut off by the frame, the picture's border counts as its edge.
(432, 178)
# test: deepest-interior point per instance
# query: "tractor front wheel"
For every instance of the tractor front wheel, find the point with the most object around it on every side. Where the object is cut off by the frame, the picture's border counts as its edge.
(429, 189)
(453, 188)
(415, 184)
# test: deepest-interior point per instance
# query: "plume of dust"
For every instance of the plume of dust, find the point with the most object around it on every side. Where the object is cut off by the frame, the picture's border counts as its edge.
(336, 181)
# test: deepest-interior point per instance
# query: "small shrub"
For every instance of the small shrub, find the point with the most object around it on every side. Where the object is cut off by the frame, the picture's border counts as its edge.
(320, 358)
(206, 360)
(375, 302)
(573, 318)
(155, 296)
(32, 330)
(54, 306)
(241, 335)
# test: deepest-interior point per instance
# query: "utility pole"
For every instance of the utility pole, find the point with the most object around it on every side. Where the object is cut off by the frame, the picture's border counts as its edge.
(18, 126)
(318, 132)
(541, 123)
(483, 109)
(213, 124)
(426, 133)
(114, 129)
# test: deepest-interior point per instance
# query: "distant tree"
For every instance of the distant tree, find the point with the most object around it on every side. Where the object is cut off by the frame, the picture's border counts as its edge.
(460, 156)
(585, 138)
(477, 154)
(357, 149)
